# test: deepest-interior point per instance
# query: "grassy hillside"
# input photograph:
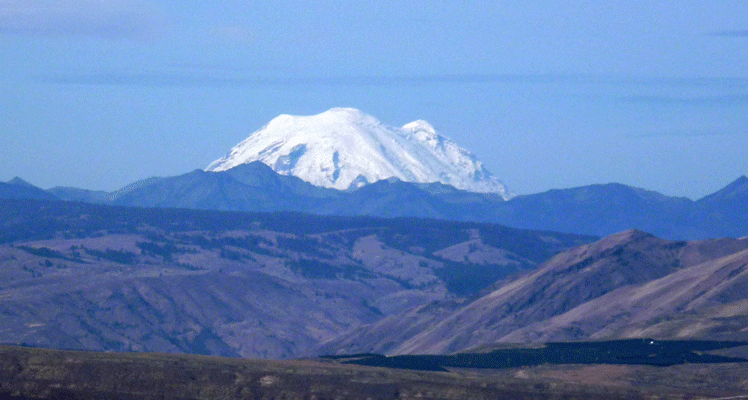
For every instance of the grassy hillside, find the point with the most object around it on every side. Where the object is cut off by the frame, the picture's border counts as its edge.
(261, 285)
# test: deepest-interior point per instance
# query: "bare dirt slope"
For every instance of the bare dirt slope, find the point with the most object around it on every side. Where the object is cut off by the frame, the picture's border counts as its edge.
(626, 285)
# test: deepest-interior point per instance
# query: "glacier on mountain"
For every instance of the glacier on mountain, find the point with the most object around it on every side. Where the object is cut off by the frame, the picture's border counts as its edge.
(344, 148)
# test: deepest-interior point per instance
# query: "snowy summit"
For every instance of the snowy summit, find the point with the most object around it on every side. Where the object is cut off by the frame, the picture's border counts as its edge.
(344, 148)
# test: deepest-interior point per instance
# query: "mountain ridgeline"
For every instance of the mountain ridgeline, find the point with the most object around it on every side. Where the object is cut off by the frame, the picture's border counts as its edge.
(593, 210)
(345, 162)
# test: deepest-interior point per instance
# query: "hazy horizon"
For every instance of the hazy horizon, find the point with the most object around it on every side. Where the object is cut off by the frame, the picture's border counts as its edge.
(98, 94)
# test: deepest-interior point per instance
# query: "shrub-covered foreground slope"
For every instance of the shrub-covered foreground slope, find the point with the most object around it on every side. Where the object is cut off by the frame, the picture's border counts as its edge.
(626, 351)
(53, 374)
(83, 276)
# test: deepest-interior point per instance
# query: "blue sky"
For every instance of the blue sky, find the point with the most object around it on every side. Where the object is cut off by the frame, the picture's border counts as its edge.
(548, 94)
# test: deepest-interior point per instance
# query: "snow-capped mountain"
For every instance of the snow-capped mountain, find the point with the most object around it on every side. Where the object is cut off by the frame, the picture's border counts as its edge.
(345, 148)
